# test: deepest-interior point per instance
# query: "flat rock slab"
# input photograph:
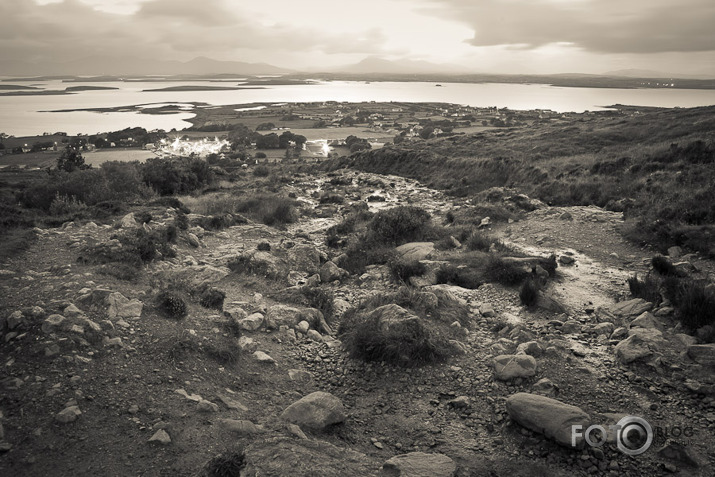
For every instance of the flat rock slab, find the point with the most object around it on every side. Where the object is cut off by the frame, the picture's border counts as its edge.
(510, 366)
(703, 354)
(304, 458)
(415, 251)
(419, 464)
(631, 308)
(547, 416)
(316, 411)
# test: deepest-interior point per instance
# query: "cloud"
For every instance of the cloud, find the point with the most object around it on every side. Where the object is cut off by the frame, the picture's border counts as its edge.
(603, 26)
(168, 29)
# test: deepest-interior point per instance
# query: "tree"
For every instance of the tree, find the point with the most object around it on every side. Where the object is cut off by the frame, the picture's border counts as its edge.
(71, 160)
(426, 132)
(269, 141)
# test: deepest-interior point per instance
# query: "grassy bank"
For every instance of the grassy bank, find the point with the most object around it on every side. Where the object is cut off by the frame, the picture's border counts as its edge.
(655, 165)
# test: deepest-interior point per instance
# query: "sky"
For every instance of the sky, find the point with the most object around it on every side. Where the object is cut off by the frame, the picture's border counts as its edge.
(481, 36)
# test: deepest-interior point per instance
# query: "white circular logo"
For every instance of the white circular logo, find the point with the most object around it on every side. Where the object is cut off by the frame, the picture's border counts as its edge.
(634, 435)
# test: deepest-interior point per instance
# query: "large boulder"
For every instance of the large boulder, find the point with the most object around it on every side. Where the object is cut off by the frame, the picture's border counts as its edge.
(419, 464)
(510, 366)
(646, 320)
(640, 344)
(316, 411)
(547, 416)
(121, 307)
(330, 272)
(415, 251)
(278, 315)
(304, 258)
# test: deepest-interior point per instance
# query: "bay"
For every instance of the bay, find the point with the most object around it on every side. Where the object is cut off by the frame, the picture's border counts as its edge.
(31, 115)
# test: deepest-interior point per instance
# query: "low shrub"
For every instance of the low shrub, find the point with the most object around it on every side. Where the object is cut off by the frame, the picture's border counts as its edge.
(212, 298)
(693, 300)
(529, 293)
(498, 270)
(261, 171)
(478, 241)
(402, 269)
(67, 205)
(663, 266)
(398, 225)
(269, 209)
(171, 305)
(263, 247)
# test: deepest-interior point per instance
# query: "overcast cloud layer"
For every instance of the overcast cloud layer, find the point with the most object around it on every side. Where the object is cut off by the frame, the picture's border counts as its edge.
(529, 36)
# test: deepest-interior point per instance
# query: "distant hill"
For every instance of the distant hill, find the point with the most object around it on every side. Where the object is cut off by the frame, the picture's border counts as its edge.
(375, 65)
(638, 73)
(118, 66)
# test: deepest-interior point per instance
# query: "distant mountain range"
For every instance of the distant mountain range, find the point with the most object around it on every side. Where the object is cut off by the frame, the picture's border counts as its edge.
(127, 66)
(203, 66)
(375, 65)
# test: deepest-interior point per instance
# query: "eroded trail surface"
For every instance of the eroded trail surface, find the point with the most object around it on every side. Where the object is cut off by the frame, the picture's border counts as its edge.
(96, 381)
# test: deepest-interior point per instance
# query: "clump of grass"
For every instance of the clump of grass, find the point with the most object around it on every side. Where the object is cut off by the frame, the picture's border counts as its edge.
(224, 353)
(529, 293)
(263, 247)
(464, 277)
(228, 464)
(663, 266)
(402, 270)
(478, 241)
(64, 205)
(693, 300)
(269, 209)
(171, 305)
(212, 298)
(362, 254)
(410, 342)
(647, 289)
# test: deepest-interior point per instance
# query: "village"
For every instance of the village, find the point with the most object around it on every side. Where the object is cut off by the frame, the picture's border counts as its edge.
(326, 126)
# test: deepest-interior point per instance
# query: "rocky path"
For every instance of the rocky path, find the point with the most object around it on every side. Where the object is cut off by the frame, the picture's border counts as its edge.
(95, 381)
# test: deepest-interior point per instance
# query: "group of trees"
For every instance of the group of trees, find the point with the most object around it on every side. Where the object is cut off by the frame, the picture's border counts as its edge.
(357, 144)
(242, 136)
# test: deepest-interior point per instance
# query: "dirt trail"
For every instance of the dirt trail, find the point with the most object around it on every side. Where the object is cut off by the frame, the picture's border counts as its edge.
(127, 391)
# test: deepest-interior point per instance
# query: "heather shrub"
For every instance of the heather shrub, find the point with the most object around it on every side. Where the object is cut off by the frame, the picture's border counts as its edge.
(398, 225)
(529, 293)
(402, 269)
(172, 305)
(212, 298)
